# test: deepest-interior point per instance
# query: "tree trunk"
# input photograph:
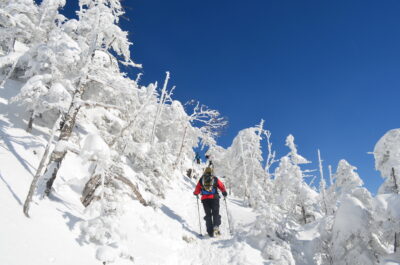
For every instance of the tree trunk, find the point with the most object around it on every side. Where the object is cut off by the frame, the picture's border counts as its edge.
(159, 108)
(303, 212)
(57, 156)
(396, 187)
(28, 199)
(135, 191)
(89, 190)
(96, 180)
(30, 123)
(246, 189)
(396, 242)
(181, 148)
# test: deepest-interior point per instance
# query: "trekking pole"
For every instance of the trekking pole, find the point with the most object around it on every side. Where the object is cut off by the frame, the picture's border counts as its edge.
(227, 215)
(198, 210)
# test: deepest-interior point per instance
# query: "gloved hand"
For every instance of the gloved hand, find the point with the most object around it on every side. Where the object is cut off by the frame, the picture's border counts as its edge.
(197, 195)
(225, 194)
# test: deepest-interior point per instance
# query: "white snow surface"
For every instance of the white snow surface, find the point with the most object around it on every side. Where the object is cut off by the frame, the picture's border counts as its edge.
(94, 148)
(165, 235)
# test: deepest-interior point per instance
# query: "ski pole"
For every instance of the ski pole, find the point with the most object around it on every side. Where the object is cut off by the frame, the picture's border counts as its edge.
(198, 210)
(227, 215)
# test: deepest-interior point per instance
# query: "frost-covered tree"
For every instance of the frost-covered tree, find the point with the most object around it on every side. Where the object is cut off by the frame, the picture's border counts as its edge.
(290, 188)
(387, 161)
(245, 175)
(98, 31)
(270, 160)
(209, 122)
(353, 240)
(322, 186)
(348, 221)
(271, 236)
(156, 161)
(49, 69)
(102, 45)
(222, 167)
(18, 26)
(46, 63)
(345, 180)
(18, 20)
(105, 195)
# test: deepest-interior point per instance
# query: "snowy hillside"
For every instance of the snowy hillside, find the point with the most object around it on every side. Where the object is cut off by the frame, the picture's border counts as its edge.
(98, 168)
(167, 234)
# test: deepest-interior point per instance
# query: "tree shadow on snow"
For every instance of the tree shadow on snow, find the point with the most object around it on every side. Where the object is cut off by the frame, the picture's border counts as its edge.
(11, 190)
(190, 183)
(170, 213)
(9, 140)
(71, 219)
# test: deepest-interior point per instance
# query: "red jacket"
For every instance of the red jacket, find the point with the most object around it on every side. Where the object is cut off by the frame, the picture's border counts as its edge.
(199, 187)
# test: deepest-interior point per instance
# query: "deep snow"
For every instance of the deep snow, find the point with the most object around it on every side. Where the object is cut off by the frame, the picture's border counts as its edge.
(167, 234)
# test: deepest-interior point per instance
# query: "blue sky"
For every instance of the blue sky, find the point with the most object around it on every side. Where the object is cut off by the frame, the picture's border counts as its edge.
(327, 72)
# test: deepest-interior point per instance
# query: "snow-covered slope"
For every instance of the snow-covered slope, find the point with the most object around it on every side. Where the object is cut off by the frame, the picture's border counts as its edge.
(166, 234)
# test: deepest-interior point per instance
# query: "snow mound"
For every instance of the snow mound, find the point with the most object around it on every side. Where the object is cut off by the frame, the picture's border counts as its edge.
(94, 148)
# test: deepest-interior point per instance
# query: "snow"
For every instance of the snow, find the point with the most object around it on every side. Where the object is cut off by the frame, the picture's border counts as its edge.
(51, 236)
(121, 193)
(168, 235)
(106, 254)
(94, 148)
(393, 259)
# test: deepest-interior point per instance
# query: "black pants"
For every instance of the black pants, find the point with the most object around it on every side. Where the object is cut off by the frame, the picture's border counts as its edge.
(211, 208)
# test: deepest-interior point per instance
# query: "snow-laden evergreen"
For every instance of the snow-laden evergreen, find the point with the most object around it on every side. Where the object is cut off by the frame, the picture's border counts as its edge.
(100, 166)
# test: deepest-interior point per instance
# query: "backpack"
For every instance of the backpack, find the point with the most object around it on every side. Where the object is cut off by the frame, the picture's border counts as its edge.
(209, 184)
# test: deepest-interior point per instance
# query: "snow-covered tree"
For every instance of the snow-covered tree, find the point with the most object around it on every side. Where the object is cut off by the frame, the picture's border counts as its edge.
(47, 63)
(99, 40)
(345, 180)
(290, 188)
(245, 175)
(98, 31)
(18, 20)
(271, 235)
(387, 161)
(18, 26)
(105, 195)
(352, 239)
(209, 122)
(270, 160)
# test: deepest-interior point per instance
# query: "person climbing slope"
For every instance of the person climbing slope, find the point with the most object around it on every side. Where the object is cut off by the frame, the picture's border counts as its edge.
(208, 186)
(197, 158)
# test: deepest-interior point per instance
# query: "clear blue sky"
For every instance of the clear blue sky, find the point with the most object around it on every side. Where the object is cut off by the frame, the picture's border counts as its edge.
(327, 72)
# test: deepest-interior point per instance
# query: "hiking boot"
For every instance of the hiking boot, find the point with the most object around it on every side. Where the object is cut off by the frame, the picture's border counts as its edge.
(216, 231)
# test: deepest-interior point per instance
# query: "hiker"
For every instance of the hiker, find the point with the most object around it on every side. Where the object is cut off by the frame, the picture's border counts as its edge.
(197, 158)
(207, 186)
(210, 164)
